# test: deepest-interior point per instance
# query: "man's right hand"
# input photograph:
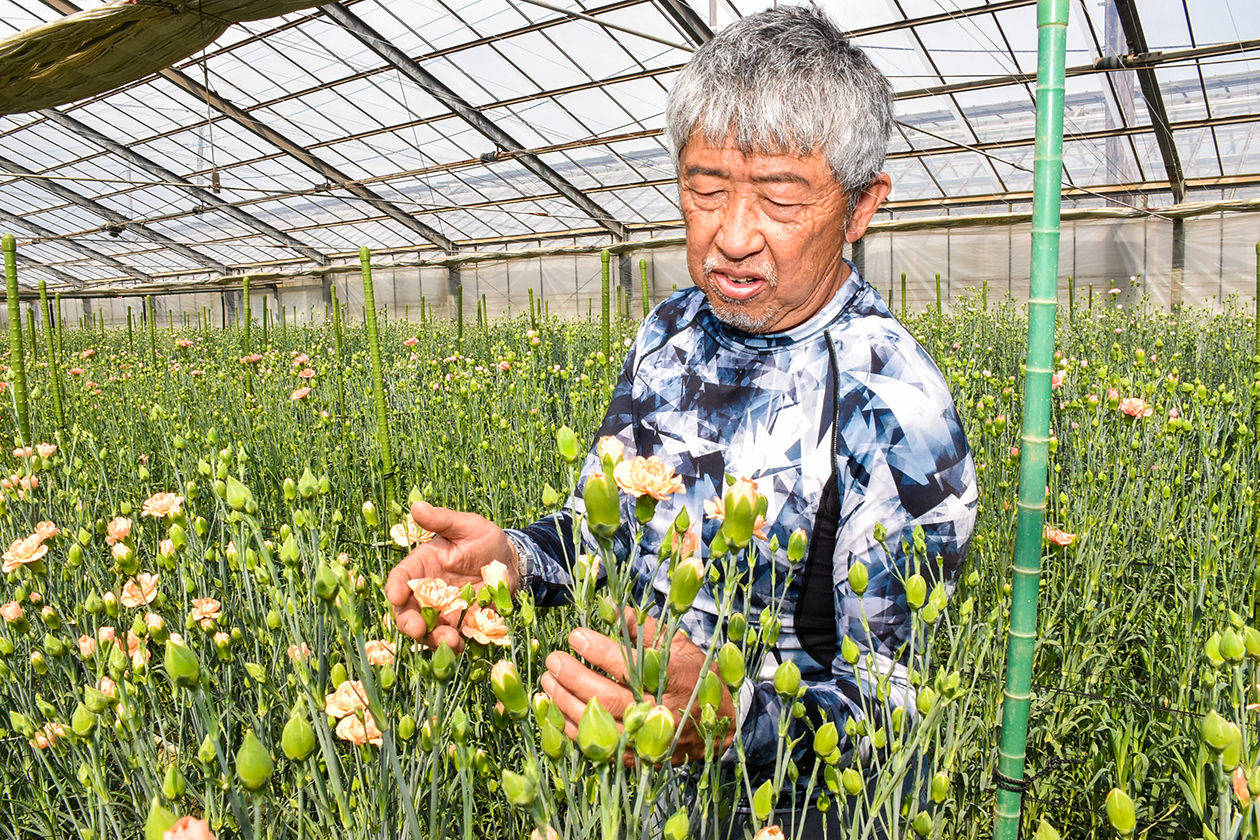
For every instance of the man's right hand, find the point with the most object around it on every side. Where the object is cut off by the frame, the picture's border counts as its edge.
(462, 544)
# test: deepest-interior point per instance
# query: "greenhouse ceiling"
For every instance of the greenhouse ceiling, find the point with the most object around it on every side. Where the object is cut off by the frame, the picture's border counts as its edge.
(438, 127)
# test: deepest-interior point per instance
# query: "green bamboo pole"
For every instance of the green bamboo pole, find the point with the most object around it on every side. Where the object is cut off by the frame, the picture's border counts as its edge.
(17, 364)
(1071, 297)
(30, 333)
(646, 292)
(904, 304)
(459, 319)
(340, 362)
(151, 314)
(61, 334)
(53, 360)
(130, 327)
(605, 312)
(1035, 434)
(378, 377)
(533, 316)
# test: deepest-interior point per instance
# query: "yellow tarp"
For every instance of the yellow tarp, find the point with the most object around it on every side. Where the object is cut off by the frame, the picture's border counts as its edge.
(97, 50)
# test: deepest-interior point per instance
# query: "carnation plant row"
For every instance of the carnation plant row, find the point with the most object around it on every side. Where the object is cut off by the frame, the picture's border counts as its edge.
(195, 640)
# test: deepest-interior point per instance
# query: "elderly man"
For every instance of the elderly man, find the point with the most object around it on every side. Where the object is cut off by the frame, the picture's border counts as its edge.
(781, 365)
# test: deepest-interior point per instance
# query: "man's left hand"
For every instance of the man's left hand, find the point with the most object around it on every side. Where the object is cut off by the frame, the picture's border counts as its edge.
(570, 684)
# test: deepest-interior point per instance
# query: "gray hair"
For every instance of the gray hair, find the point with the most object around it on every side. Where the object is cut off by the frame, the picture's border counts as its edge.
(786, 80)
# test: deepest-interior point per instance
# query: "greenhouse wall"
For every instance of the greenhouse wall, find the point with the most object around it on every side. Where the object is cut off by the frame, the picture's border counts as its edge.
(1132, 255)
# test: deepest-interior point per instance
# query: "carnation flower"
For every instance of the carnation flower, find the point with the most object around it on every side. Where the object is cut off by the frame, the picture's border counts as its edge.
(1058, 537)
(1135, 407)
(437, 594)
(486, 626)
(610, 447)
(348, 697)
(161, 505)
(407, 533)
(189, 828)
(379, 651)
(140, 590)
(647, 476)
(205, 611)
(297, 653)
(360, 732)
(46, 530)
(300, 394)
(45, 450)
(118, 529)
(23, 552)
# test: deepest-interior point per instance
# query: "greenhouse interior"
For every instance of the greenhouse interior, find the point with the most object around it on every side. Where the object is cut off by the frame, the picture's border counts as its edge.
(311, 306)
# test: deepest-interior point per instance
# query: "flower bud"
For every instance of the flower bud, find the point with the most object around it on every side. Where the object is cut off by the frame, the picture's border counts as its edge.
(308, 485)
(678, 827)
(763, 801)
(597, 734)
(521, 789)
(787, 679)
(158, 822)
(238, 496)
(297, 739)
(736, 626)
(444, 662)
(859, 577)
(505, 681)
(567, 444)
(1214, 730)
(603, 505)
(326, 582)
(730, 665)
(1120, 812)
(1232, 647)
(850, 651)
(684, 584)
(206, 753)
(369, 514)
(253, 762)
(852, 781)
(826, 739)
(655, 737)
(922, 823)
(182, 667)
(710, 691)
(173, 784)
(553, 740)
(796, 545)
(82, 721)
(406, 728)
(740, 512)
(289, 488)
(916, 591)
(1251, 639)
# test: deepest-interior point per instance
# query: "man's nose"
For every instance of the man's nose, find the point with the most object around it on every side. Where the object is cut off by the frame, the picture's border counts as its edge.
(739, 233)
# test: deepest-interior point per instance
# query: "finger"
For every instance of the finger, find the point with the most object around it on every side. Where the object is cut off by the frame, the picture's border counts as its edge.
(396, 588)
(600, 651)
(410, 622)
(455, 525)
(585, 684)
(444, 633)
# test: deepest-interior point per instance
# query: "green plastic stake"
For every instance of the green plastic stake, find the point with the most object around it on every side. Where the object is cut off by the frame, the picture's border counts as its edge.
(30, 333)
(339, 362)
(1071, 297)
(151, 311)
(248, 316)
(645, 291)
(53, 355)
(903, 296)
(533, 316)
(130, 327)
(1034, 442)
(459, 318)
(378, 377)
(17, 363)
(605, 311)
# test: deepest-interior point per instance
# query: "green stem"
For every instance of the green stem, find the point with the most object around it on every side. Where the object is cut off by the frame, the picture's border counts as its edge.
(1034, 448)
(378, 378)
(17, 363)
(53, 356)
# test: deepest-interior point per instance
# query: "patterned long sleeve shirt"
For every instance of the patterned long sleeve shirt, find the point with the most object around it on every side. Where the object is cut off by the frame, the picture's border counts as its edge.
(845, 423)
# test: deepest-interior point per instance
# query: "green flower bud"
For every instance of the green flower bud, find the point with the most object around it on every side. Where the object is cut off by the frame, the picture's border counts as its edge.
(1045, 831)
(922, 824)
(93, 604)
(678, 827)
(852, 781)
(740, 509)
(940, 787)
(173, 785)
(206, 753)
(1214, 730)
(859, 577)
(370, 516)
(736, 626)
(158, 822)
(655, 737)
(1232, 646)
(1251, 638)
(710, 692)
(273, 619)
(406, 728)
(238, 496)
(763, 801)
(182, 667)
(730, 665)
(337, 674)
(796, 545)
(939, 599)
(253, 762)
(787, 679)
(1213, 649)
(444, 662)
(82, 721)
(308, 485)
(603, 505)
(916, 591)
(290, 554)
(289, 488)
(505, 681)
(550, 496)
(597, 735)
(1120, 812)
(850, 651)
(826, 739)
(553, 740)
(1232, 754)
(521, 789)
(567, 444)
(297, 739)
(95, 699)
(326, 582)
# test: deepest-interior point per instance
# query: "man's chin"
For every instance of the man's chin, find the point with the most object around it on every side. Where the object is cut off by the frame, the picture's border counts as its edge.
(741, 317)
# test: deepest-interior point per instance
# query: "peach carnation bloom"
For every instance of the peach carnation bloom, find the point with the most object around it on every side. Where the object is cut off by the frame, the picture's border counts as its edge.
(23, 551)
(411, 342)
(437, 594)
(494, 573)
(769, 832)
(687, 544)
(107, 687)
(306, 373)
(407, 533)
(162, 505)
(611, 447)
(550, 835)
(1056, 379)
(205, 611)
(166, 548)
(650, 476)
(715, 508)
(297, 653)
(189, 828)
(24, 452)
(87, 646)
(46, 736)
(1135, 407)
(46, 530)
(348, 697)
(118, 529)
(300, 394)
(11, 611)
(360, 732)
(1058, 537)
(379, 651)
(140, 590)
(484, 625)
(106, 634)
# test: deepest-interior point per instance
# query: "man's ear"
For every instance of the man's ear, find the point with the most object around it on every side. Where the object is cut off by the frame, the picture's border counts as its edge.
(868, 202)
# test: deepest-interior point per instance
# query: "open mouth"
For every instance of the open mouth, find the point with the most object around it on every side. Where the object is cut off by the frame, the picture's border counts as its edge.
(737, 288)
